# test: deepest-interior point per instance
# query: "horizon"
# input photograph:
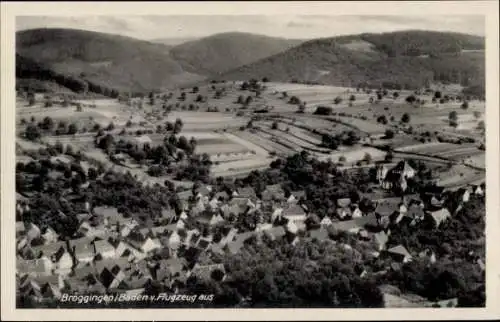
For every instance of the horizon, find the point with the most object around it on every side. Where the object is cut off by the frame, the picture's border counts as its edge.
(153, 28)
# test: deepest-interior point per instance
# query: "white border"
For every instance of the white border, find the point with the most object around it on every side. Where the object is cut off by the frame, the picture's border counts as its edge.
(10, 10)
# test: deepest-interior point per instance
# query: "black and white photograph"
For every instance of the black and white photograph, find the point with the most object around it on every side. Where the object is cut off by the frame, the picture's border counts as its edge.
(285, 161)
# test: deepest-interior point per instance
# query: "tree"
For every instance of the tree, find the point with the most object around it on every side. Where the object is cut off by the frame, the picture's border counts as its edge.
(465, 105)
(389, 156)
(337, 100)
(241, 99)
(480, 125)
(389, 134)
(382, 119)
(437, 95)
(323, 110)
(48, 102)
(395, 95)
(48, 123)
(178, 126)
(110, 127)
(195, 89)
(78, 107)
(477, 114)
(367, 158)
(301, 108)
(405, 118)
(294, 100)
(274, 126)
(453, 116)
(411, 99)
(352, 98)
(31, 99)
(151, 98)
(248, 100)
(72, 129)
(32, 132)
(199, 98)
(265, 80)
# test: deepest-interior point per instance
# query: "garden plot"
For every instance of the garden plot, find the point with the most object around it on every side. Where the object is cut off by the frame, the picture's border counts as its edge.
(459, 175)
(239, 165)
(261, 142)
(26, 145)
(79, 142)
(203, 121)
(443, 150)
(478, 160)
(353, 155)
(370, 127)
(225, 148)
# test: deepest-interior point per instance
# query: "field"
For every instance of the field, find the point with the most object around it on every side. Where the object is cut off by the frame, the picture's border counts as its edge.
(236, 149)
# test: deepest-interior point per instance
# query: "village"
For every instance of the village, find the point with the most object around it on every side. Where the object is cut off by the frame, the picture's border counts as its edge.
(113, 254)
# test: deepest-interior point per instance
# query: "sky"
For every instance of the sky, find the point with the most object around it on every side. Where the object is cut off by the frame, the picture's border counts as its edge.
(287, 26)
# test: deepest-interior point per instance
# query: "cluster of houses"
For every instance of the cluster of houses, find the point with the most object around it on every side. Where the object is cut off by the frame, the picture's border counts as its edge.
(114, 253)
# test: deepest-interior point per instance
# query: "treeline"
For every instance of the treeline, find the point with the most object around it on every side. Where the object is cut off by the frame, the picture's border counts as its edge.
(31, 70)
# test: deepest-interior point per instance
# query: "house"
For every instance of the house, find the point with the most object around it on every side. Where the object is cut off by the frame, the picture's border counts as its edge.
(82, 249)
(477, 190)
(294, 213)
(104, 249)
(32, 232)
(202, 191)
(20, 228)
(400, 254)
(275, 233)
(167, 268)
(110, 215)
(238, 242)
(343, 212)
(185, 195)
(326, 221)
(273, 192)
(62, 159)
(465, 194)
(246, 192)
(355, 224)
(439, 216)
(343, 202)
(381, 238)
(216, 219)
(63, 261)
(298, 194)
(37, 267)
(229, 237)
(50, 236)
(385, 208)
(382, 173)
(221, 196)
(356, 212)
(292, 228)
(147, 245)
(428, 253)
(397, 176)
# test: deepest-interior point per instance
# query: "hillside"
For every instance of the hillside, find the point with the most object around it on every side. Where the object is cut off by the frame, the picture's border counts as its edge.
(226, 51)
(171, 42)
(411, 58)
(105, 60)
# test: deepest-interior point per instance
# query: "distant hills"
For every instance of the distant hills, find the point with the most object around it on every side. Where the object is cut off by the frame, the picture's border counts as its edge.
(103, 60)
(411, 58)
(78, 60)
(226, 51)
